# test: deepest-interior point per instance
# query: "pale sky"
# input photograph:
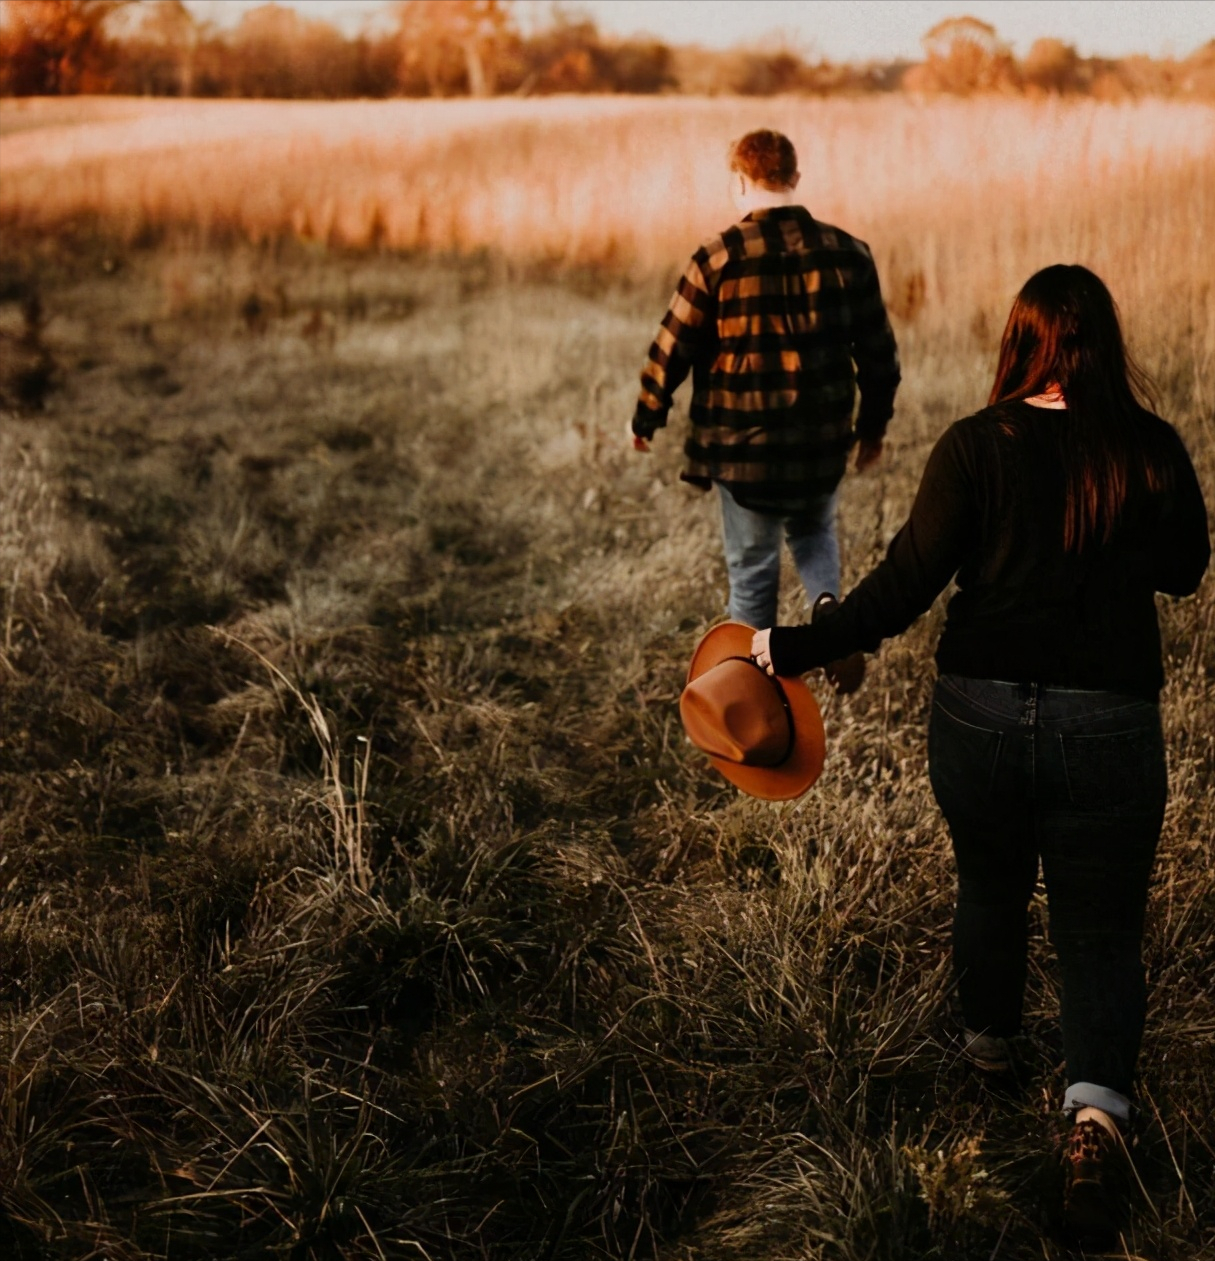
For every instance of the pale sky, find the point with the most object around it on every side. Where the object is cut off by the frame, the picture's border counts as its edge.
(845, 30)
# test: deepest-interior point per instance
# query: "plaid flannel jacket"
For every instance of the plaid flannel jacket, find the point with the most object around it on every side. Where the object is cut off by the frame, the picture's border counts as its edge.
(770, 318)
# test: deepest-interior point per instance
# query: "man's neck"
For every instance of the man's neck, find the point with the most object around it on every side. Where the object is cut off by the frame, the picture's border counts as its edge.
(767, 199)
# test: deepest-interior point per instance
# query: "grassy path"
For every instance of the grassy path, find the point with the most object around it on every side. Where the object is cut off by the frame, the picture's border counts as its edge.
(359, 896)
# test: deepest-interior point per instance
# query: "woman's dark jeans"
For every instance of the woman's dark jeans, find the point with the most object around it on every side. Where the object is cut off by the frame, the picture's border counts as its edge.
(1024, 772)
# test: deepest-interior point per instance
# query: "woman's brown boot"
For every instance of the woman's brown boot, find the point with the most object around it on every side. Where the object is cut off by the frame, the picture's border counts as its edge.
(1094, 1192)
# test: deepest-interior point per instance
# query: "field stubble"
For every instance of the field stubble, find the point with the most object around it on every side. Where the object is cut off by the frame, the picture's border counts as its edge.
(360, 896)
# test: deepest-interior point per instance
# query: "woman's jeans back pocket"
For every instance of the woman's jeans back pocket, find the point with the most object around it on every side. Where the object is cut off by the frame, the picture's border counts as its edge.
(963, 758)
(1116, 771)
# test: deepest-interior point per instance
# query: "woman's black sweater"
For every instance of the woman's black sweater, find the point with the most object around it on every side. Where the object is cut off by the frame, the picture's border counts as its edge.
(990, 511)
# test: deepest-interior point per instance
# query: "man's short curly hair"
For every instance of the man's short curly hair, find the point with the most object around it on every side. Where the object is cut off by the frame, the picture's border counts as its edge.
(766, 157)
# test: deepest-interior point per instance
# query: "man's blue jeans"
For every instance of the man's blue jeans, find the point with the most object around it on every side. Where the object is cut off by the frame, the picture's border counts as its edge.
(1076, 779)
(752, 545)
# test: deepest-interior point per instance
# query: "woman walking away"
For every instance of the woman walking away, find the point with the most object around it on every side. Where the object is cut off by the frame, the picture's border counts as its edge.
(1060, 509)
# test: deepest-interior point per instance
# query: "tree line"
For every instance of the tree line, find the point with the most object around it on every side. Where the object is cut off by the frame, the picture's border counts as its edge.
(479, 48)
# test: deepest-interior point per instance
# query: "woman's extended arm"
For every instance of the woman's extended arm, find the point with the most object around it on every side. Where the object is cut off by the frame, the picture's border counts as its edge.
(921, 559)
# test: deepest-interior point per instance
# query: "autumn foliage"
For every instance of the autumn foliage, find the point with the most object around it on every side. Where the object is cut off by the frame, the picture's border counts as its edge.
(443, 48)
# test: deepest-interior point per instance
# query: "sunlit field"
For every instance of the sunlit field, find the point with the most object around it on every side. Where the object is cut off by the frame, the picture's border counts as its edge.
(359, 894)
(965, 190)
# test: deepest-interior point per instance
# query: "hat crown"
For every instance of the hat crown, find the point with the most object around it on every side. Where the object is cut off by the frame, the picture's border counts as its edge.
(736, 712)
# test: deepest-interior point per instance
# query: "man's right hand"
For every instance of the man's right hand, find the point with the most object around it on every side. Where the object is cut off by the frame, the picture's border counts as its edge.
(639, 443)
(868, 453)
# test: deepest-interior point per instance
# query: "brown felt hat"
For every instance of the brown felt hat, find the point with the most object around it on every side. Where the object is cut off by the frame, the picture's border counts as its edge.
(764, 734)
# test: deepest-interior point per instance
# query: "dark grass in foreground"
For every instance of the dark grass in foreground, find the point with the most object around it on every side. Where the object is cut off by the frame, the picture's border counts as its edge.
(359, 895)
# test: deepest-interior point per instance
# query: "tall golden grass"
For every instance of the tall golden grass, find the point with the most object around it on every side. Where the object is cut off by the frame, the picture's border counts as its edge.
(957, 198)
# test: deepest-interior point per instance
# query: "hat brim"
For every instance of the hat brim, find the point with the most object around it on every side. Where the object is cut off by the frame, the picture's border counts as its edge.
(804, 764)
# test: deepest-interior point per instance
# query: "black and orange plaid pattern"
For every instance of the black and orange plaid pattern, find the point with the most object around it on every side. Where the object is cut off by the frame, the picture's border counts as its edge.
(779, 319)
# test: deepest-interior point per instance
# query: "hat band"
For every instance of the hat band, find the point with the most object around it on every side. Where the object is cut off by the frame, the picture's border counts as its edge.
(784, 701)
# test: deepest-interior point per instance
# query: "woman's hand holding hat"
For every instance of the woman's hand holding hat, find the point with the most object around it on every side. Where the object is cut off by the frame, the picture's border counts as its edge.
(759, 650)
(764, 734)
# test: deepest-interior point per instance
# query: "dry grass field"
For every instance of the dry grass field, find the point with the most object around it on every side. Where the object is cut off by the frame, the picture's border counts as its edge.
(359, 894)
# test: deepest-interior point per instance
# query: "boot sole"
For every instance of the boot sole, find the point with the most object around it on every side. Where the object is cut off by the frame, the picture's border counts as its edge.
(1089, 1216)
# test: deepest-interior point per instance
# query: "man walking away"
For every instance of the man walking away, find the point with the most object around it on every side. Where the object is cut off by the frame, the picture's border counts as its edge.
(779, 319)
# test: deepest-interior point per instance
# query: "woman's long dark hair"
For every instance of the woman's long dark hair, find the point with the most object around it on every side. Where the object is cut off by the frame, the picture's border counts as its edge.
(1063, 330)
